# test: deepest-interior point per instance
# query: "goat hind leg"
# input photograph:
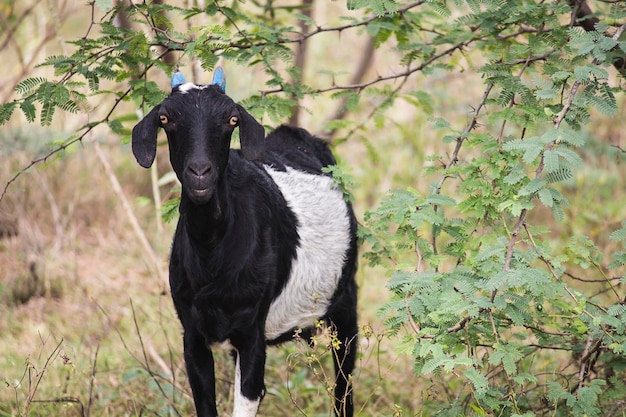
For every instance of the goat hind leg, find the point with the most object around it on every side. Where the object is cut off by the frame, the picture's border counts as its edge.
(344, 321)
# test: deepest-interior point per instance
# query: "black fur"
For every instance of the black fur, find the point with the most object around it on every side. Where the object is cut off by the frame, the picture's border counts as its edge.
(236, 237)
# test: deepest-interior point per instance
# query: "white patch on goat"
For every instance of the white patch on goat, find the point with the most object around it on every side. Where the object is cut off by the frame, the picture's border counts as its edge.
(184, 88)
(324, 230)
(243, 407)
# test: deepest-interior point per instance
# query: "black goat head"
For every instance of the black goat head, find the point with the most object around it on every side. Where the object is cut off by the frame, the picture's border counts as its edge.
(198, 121)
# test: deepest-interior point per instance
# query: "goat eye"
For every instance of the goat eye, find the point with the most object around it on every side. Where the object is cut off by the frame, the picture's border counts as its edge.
(163, 119)
(234, 120)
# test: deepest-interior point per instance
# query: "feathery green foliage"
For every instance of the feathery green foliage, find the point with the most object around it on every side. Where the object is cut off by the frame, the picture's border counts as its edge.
(483, 294)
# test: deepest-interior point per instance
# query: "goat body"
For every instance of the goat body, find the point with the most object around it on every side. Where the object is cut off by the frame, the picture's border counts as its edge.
(265, 244)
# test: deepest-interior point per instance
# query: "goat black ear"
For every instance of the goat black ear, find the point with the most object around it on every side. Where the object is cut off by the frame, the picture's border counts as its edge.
(145, 138)
(251, 135)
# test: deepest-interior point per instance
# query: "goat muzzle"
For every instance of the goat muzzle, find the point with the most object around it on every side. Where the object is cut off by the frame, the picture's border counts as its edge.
(199, 182)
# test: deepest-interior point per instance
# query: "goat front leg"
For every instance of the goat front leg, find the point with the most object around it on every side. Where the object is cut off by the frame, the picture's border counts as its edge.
(201, 373)
(249, 375)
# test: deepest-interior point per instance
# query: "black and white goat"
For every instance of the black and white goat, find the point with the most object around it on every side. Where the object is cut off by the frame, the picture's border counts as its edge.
(265, 244)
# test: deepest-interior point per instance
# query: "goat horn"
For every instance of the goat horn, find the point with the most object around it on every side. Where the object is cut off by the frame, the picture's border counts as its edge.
(177, 79)
(219, 78)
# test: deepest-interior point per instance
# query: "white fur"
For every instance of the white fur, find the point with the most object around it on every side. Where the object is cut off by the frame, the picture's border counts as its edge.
(184, 88)
(243, 407)
(324, 231)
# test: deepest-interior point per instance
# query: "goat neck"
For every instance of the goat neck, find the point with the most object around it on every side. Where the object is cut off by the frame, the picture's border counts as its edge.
(208, 222)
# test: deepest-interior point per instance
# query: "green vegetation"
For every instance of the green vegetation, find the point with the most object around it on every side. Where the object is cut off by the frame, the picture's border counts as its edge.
(489, 146)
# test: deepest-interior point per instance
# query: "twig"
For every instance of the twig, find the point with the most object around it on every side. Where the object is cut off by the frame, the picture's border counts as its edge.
(78, 139)
(460, 325)
(404, 74)
(34, 385)
(604, 279)
(318, 30)
(65, 400)
(367, 55)
(409, 315)
(146, 364)
(461, 138)
(619, 148)
(292, 397)
(583, 363)
(92, 380)
(130, 215)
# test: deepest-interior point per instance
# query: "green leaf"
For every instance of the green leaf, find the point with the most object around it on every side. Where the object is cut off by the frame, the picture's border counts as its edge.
(29, 85)
(619, 235)
(421, 100)
(570, 156)
(441, 200)
(516, 175)
(586, 73)
(507, 355)
(439, 123)
(533, 186)
(6, 110)
(478, 380)
(532, 152)
(546, 94)
(47, 113)
(545, 196)
(562, 174)
(169, 209)
(116, 126)
(104, 5)
(551, 161)
(28, 108)
(572, 137)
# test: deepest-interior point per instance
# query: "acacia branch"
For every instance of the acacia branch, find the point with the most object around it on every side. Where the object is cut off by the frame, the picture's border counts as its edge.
(404, 74)
(42, 159)
(367, 55)
(584, 16)
(247, 43)
(539, 171)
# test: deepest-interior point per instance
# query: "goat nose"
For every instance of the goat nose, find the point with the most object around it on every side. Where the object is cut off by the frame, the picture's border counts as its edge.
(199, 168)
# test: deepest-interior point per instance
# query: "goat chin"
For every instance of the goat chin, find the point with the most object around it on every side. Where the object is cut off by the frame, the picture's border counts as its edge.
(199, 196)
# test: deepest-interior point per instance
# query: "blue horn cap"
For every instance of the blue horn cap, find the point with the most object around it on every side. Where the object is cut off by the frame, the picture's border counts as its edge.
(177, 79)
(219, 78)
